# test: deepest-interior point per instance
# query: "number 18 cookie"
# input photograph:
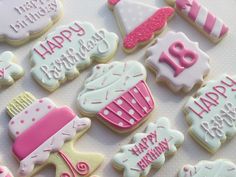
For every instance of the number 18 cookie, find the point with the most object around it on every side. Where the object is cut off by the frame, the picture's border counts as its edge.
(200, 17)
(139, 22)
(26, 19)
(148, 149)
(45, 134)
(178, 61)
(68, 50)
(212, 113)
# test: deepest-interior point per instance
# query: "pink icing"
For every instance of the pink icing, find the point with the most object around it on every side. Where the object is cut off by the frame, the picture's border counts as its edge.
(38, 133)
(113, 2)
(145, 31)
(193, 8)
(185, 57)
(81, 168)
(127, 111)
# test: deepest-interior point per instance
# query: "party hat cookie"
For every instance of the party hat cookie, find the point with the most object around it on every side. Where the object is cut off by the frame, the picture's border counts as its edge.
(118, 95)
(148, 149)
(139, 22)
(45, 134)
(9, 71)
(218, 168)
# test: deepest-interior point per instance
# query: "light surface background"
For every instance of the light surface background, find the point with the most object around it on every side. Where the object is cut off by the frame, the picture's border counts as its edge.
(101, 139)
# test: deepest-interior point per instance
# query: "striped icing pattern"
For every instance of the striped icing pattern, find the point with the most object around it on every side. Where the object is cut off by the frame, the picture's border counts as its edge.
(203, 18)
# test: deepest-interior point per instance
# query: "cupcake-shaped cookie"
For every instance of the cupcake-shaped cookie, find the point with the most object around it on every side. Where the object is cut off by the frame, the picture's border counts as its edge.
(118, 95)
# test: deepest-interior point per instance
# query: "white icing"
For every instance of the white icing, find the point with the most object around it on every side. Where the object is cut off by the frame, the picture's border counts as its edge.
(202, 16)
(132, 154)
(27, 17)
(30, 116)
(53, 144)
(5, 172)
(131, 14)
(108, 82)
(9, 71)
(217, 27)
(218, 168)
(190, 76)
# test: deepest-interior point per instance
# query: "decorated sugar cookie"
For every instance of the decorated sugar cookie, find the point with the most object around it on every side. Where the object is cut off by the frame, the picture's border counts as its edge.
(200, 17)
(148, 149)
(218, 168)
(27, 19)
(118, 95)
(211, 113)
(68, 50)
(9, 71)
(139, 22)
(45, 134)
(178, 61)
(5, 172)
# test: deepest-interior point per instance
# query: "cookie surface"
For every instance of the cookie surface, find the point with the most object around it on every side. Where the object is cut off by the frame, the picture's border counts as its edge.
(218, 168)
(148, 149)
(68, 50)
(178, 61)
(27, 19)
(9, 71)
(45, 134)
(200, 17)
(139, 22)
(211, 113)
(117, 94)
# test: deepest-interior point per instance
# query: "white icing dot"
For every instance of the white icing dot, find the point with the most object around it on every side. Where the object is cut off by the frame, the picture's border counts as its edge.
(131, 121)
(133, 101)
(135, 90)
(119, 113)
(120, 124)
(147, 98)
(131, 112)
(106, 112)
(119, 102)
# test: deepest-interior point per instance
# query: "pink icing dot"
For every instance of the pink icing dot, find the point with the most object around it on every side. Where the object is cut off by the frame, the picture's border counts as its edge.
(22, 121)
(12, 122)
(33, 119)
(37, 110)
(49, 107)
(17, 133)
(113, 2)
(26, 112)
(40, 101)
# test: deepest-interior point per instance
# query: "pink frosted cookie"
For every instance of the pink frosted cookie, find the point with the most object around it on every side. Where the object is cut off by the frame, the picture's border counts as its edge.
(178, 61)
(139, 22)
(27, 19)
(5, 172)
(148, 149)
(45, 134)
(211, 113)
(118, 95)
(200, 17)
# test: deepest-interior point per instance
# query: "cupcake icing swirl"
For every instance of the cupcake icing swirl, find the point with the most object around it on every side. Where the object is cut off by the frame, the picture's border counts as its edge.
(108, 82)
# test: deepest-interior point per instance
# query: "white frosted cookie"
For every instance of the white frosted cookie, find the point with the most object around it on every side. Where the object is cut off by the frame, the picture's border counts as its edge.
(118, 95)
(148, 149)
(139, 22)
(211, 113)
(178, 61)
(5, 172)
(68, 50)
(201, 18)
(218, 168)
(27, 19)
(9, 70)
